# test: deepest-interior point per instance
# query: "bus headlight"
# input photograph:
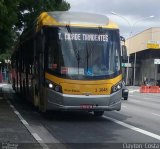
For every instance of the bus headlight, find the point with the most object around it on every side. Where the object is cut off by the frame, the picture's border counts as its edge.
(50, 85)
(116, 87)
(53, 86)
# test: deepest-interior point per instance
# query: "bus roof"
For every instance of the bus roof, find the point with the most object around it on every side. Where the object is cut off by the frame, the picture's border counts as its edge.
(82, 19)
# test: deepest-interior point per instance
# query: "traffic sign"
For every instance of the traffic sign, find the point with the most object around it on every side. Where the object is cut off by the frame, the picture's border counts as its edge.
(126, 64)
(153, 46)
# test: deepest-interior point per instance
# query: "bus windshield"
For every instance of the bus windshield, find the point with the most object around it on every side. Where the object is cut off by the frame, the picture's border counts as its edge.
(83, 53)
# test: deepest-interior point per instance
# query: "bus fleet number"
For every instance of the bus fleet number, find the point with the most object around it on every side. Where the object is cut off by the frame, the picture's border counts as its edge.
(101, 90)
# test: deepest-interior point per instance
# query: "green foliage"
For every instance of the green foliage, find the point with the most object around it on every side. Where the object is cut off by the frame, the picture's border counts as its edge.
(30, 9)
(8, 17)
(6, 55)
(15, 15)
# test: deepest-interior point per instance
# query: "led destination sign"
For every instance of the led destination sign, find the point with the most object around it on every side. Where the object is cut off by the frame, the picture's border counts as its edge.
(85, 37)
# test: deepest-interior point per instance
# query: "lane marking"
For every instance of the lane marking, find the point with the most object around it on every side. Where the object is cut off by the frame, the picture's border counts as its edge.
(150, 134)
(156, 114)
(16, 112)
(11, 106)
(26, 124)
(45, 135)
(124, 106)
(36, 136)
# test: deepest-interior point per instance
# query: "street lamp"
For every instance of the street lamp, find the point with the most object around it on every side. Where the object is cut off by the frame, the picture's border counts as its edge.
(131, 25)
(130, 34)
(139, 20)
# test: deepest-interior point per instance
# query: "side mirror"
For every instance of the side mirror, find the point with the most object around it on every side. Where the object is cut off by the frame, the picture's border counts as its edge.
(124, 52)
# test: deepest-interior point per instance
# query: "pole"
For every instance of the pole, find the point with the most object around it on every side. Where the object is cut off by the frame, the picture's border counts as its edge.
(129, 47)
(155, 74)
(127, 75)
(134, 77)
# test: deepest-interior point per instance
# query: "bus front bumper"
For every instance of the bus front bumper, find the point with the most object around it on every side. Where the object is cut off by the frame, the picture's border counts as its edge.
(58, 101)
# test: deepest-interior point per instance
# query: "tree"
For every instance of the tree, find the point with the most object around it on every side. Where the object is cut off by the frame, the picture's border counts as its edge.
(29, 10)
(8, 17)
(19, 14)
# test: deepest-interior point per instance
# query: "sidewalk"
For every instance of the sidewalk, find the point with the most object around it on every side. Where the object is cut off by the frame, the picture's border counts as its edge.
(13, 134)
(133, 89)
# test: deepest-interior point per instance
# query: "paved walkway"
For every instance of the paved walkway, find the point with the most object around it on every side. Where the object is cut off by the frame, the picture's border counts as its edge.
(133, 89)
(13, 134)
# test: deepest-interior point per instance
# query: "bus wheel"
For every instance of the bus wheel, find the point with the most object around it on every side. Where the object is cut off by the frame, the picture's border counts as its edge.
(125, 98)
(98, 113)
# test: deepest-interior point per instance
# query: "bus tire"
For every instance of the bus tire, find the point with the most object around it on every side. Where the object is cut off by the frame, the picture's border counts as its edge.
(98, 113)
(125, 98)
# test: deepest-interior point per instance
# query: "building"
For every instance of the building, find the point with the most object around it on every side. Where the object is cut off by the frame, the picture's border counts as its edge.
(144, 56)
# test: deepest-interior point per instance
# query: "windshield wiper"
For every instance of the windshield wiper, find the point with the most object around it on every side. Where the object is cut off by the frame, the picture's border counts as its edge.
(87, 55)
(74, 45)
(89, 50)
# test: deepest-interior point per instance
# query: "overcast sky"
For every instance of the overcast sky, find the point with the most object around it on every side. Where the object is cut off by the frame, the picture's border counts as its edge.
(132, 10)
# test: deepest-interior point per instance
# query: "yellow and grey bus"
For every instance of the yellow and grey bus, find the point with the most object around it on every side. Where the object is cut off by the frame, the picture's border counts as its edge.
(70, 61)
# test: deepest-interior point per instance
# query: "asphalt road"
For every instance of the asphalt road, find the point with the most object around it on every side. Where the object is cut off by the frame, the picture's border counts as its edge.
(137, 125)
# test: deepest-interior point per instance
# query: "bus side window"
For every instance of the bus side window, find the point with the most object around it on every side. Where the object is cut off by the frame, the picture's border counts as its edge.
(53, 55)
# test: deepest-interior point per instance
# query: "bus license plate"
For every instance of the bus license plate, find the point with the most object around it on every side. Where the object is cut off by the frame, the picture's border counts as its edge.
(86, 106)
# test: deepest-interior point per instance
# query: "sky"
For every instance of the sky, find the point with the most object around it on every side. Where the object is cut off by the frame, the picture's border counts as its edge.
(133, 16)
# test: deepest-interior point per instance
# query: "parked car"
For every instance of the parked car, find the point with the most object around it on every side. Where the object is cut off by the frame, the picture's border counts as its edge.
(125, 91)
